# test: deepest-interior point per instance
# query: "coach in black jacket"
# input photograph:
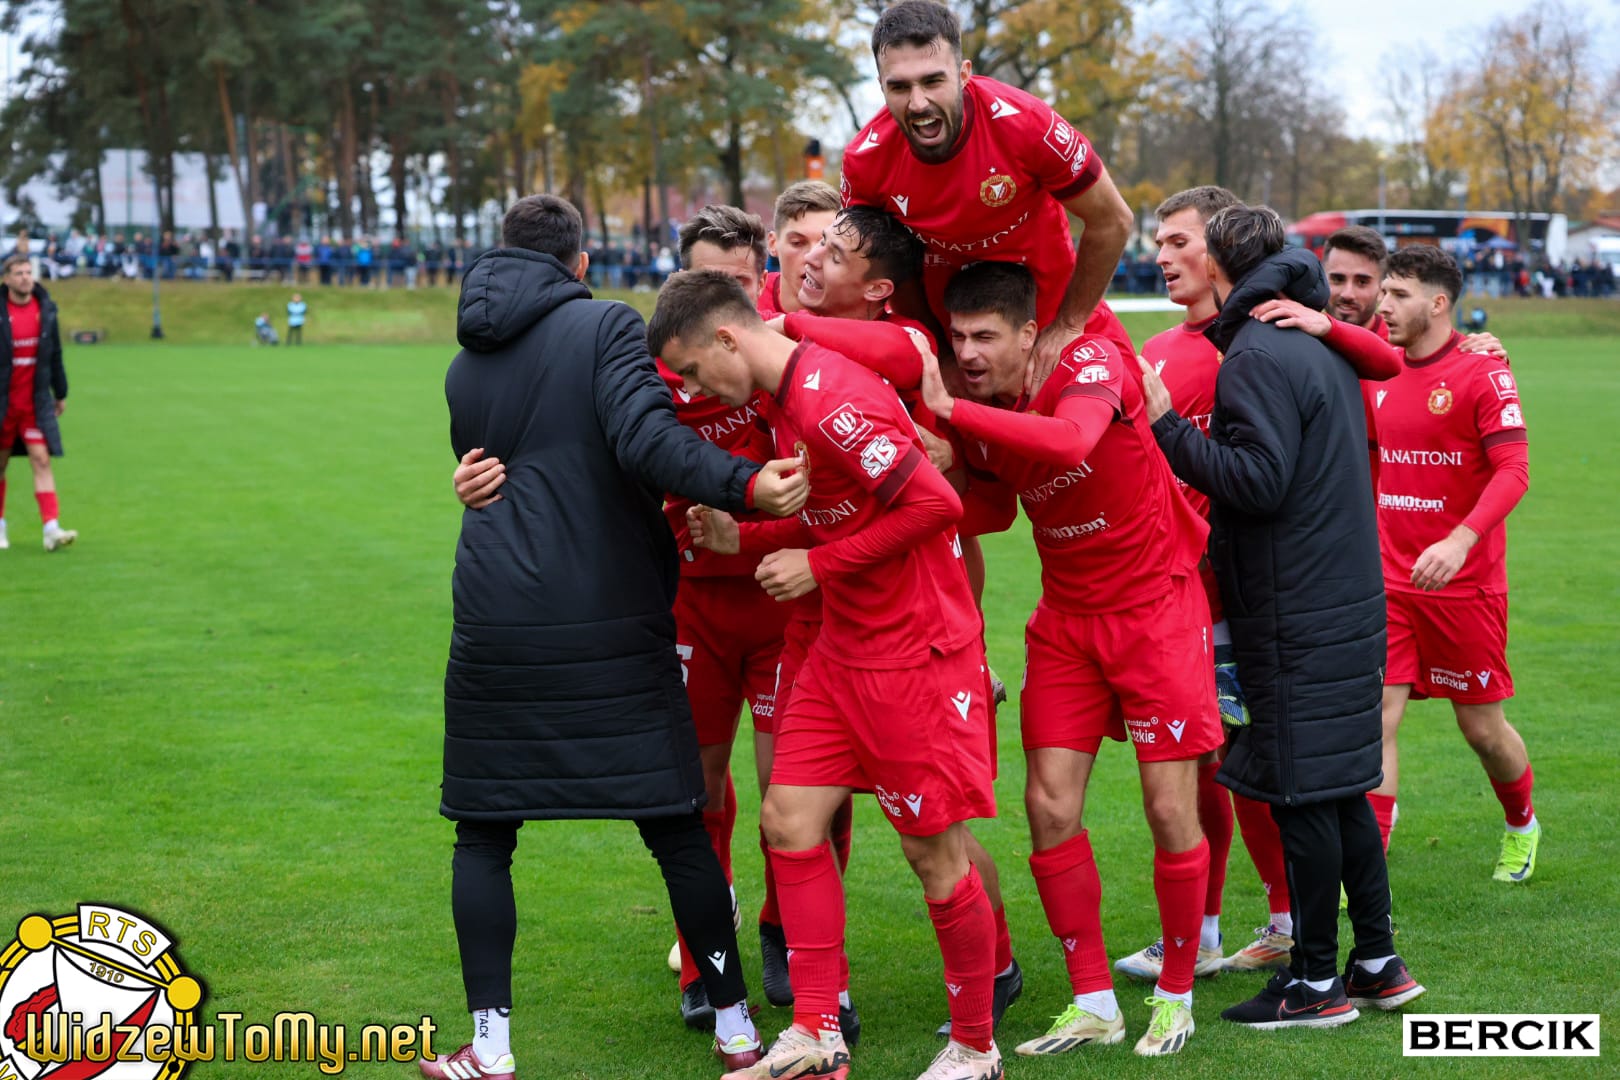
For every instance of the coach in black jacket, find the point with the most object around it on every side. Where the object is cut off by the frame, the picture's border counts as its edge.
(1294, 546)
(563, 695)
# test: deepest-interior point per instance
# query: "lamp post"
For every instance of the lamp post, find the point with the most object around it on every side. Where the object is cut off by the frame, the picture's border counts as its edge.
(157, 254)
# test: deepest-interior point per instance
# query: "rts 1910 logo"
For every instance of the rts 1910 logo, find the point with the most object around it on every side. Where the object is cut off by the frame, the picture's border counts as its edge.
(83, 994)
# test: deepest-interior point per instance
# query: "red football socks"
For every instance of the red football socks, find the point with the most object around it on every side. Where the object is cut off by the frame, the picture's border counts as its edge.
(1215, 816)
(810, 893)
(1383, 808)
(966, 931)
(719, 824)
(1003, 940)
(47, 505)
(1179, 881)
(768, 911)
(1260, 836)
(1515, 799)
(1071, 892)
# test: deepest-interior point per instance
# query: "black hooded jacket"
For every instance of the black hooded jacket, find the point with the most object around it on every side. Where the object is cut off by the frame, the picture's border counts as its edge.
(1294, 545)
(50, 376)
(563, 696)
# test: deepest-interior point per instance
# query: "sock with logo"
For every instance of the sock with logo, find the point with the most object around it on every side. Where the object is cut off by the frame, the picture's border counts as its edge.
(1260, 836)
(1004, 956)
(47, 507)
(843, 823)
(719, 823)
(966, 932)
(1515, 799)
(768, 911)
(1179, 879)
(810, 893)
(492, 1034)
(1383, 808)
(1071, 893)
(734, 1020)
(1215, 816)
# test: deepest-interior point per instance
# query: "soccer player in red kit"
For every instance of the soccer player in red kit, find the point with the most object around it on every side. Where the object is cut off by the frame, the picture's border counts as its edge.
(979, 169)
(892, 695)
(1453, 463)
(802, 213)
(1119, 646)
(30, 320)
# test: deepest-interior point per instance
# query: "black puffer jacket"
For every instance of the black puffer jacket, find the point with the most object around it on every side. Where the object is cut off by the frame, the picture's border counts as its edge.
(1294, 544)
(50, 377)
(563, 695)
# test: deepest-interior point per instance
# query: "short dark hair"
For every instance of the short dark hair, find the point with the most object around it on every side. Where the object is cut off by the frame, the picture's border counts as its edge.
(1358, 240)
(692, 303)
(892, 250)
(544, 223)
(1240, 238)
(727, 228)
(919, 23)
(993, 288)
(801, 198)
(1429, 265)
(16, 258)
(1207, 199)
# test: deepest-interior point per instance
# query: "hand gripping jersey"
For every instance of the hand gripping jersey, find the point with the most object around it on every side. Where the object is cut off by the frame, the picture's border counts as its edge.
(1188, 363)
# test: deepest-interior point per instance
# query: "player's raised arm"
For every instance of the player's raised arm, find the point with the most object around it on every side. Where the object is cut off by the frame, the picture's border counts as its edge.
(1107, 227)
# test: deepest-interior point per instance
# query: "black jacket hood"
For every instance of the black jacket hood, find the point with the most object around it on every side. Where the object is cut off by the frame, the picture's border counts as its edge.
(1292, 272)
(508, 290)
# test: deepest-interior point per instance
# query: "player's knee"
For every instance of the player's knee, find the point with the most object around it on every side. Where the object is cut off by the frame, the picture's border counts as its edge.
(788, 828)
(1051, 815)
(1172, 818)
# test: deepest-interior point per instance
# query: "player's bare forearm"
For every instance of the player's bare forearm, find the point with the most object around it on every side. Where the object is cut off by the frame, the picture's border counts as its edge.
(1108, 224)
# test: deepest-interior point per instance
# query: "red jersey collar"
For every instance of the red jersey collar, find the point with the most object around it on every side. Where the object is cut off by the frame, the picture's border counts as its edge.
(1439, 354)
(1190, 327)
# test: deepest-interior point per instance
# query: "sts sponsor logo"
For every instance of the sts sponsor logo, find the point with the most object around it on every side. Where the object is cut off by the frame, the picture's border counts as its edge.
(1512, 416)
(878, 456)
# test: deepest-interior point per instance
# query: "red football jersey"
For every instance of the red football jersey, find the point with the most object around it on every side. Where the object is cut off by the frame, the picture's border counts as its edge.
(998, 196)
(1188, 363)
(1436, 419)
(24, 351)
(1111, 530)
(734, 428)
(862, 449)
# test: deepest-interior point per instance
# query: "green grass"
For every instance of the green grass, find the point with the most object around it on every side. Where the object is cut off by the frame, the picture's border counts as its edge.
(222, 708)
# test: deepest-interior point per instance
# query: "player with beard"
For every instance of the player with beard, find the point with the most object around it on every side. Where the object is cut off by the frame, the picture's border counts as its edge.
(1454, 462)
(1119, 645)
(891, 696)
(802, 214)
(979, 169)
(1188, 364)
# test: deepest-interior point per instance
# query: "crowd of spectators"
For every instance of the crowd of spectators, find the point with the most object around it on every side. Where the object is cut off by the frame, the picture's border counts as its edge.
(325, 260)
(1495, 273)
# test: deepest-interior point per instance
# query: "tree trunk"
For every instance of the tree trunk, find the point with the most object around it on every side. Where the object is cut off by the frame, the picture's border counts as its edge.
(213, 201)
(289, 147)
(362, 166)
(396, 169)
(344, 165)
(228, 115)
(255, 177)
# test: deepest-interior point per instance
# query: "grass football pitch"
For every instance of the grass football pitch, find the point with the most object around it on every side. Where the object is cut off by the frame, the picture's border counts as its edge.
(221, 708)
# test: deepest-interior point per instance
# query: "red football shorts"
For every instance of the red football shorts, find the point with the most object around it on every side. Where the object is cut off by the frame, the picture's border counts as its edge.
(1146, 673)
(19, 424)
(1449, 646)
(917, 738)
(728, 632)
(797, 638)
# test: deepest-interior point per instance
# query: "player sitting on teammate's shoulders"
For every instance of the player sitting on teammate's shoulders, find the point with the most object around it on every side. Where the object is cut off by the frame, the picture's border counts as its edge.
(263, 332)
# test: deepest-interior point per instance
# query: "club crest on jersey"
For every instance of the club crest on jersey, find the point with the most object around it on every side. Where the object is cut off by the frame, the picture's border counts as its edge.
(997, 189)
(846, 426)
(1440, 400)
